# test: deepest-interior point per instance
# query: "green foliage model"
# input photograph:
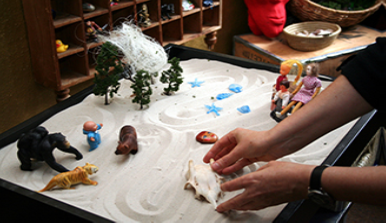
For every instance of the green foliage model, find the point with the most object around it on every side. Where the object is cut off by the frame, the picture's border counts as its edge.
(172, 76)
(106, 81)
(141, 88)
(346, 4)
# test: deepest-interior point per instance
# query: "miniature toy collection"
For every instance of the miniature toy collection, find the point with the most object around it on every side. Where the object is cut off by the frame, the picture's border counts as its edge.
(90, 128)
(311, 88)
(127, 141)
(206, 137)
(38, 144)
(67, 179)
(205, 182)
(147, 185)
(60, 47)
(136, 58)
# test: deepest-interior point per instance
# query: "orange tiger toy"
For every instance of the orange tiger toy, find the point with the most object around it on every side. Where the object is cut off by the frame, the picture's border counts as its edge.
(78, 175)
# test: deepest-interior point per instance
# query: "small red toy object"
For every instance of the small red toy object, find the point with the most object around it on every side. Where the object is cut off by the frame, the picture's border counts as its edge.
(206, 137)
(266, 17)
(127, 141)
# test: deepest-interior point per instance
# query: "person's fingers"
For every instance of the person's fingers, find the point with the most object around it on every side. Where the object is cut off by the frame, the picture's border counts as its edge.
(221, 147)
(222, 143)
(236, 167)
(233, 203)
(225, 161)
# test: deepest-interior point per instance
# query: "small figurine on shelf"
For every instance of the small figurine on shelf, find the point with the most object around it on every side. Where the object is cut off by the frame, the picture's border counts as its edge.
(207, 3)
(78, 175)
(127, 141)
(166, 9)
(90, 129)
(143, 17)
(88, 7)
(280, 101)
(60, 47)
(312, 86)
(187, 5)
(114, 2)
(91, 31)
(38, 145)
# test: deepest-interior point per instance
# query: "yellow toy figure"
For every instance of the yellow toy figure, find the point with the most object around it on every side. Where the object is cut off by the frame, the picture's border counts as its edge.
(78, 175)
(311, 88)
(60, 47)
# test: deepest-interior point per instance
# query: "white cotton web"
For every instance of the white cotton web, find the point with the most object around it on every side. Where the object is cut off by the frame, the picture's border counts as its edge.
(140, 51)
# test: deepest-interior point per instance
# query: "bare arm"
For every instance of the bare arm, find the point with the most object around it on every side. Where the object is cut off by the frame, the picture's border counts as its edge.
(336, 105)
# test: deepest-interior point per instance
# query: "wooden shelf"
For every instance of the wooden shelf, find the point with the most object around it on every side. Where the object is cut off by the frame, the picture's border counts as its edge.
(65, 20)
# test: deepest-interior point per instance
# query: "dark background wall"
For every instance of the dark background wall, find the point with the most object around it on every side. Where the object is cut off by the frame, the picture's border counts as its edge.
(21, 97)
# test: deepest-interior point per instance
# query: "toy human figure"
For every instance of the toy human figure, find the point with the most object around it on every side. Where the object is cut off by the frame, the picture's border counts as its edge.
(280, 101)
(281, 98)
(266, 17)
(93, 137)
(143, 17)
(91, 30)
(285, 68)
(311, 88)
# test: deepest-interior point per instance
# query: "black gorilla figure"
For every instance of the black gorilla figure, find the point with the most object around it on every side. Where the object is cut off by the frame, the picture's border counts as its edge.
(166, 9)
(38, 144)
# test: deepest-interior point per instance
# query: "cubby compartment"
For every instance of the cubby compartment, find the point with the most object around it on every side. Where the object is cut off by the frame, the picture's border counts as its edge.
(153, 11)
(65, 20)
(123, 15)
(73, 70)
(103, 22)
(71, 35)
(101, 7)
(211, 16)
(196, 9)
(192, 23)
(92, 55)
(154, 32)
(172, 31)
(166, 10)
(122, 4)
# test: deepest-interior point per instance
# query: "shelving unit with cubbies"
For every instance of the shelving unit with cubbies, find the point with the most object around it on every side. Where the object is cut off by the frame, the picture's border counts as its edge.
(50, 20)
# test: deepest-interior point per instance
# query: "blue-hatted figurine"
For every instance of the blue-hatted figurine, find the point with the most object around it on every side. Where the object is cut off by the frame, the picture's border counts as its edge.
(90, 129)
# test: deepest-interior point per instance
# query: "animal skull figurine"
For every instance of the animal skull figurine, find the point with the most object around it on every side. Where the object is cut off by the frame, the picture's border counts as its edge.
(205, 181)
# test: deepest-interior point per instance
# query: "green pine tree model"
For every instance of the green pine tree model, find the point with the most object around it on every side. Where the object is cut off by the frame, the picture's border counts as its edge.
(141, 88)
(172, 76)
(106, 81)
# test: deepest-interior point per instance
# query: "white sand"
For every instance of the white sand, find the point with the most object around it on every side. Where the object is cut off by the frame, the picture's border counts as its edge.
(148, 186)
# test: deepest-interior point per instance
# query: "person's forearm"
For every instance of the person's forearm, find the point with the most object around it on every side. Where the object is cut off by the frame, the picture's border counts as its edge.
(336, 105)
(363, 185)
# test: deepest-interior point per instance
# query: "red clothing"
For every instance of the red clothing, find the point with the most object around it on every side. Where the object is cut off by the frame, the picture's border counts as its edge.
(266, 17)
(278, 81)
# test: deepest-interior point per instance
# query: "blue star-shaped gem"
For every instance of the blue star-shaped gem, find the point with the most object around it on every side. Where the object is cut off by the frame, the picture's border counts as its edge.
(213, 109)
(196, 83)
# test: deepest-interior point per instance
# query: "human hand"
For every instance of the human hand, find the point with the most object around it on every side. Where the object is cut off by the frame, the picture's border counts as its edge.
(272, 184)
(239, 148)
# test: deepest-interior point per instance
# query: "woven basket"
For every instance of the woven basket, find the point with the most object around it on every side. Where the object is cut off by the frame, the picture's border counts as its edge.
(307, 10)
(302, 43)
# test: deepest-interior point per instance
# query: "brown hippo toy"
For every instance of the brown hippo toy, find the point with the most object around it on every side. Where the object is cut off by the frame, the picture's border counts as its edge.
(127, 141)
